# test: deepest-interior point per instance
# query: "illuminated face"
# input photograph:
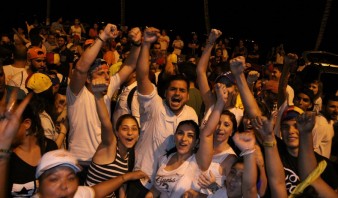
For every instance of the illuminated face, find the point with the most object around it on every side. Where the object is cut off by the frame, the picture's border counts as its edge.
(234, 180)
(60, 181)
(185, 139)
(290, 133)
(39, 65)
(332, 109)
(303, 101)
(314, 88)
(224, 129)
(177, 95)
(218, 52)
(276, 74)
(128, 132)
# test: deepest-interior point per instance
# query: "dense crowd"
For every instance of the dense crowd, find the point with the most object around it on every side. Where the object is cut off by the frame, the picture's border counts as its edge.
(130, 112)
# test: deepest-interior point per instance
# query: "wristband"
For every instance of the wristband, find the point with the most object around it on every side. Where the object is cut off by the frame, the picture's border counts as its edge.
(98, 37)
(136, 44)
(247, 152)
(6, 151)
(269, 144)
(214, 187)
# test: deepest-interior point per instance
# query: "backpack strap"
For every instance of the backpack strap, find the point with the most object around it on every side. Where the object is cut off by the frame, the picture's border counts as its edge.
(130, 97)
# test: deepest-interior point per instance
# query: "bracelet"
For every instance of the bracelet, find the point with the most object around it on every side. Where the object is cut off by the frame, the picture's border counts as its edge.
(98, 37)
(269, 144)
(136, 44)
(247, 152)
(6, 151)
(62, 133)
(214, 187)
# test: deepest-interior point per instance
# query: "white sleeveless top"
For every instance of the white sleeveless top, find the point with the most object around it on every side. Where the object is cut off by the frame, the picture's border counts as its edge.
(214, 167)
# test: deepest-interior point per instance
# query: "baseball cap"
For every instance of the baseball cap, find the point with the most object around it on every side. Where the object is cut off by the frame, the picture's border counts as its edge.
(226, 78)
(38, 82)
(59, 157)
(35, 52)
(291, 112)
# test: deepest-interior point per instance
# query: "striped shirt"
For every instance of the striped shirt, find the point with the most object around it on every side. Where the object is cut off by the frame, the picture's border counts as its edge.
(98, 173)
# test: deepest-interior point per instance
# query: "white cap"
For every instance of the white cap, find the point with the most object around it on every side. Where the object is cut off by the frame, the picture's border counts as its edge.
(55, 158)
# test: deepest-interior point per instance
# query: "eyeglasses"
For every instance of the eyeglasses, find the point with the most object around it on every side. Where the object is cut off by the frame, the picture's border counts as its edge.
(39, 60)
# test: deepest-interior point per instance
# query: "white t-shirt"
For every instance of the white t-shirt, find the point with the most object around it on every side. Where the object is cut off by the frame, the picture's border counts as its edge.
(84, 123)
(215, 166)
(10, 71)
(175, 182)
(19, 80)
(158, 125)
(322, 136)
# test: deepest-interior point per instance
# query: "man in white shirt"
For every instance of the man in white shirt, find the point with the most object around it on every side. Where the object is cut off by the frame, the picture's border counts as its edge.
(159, 118)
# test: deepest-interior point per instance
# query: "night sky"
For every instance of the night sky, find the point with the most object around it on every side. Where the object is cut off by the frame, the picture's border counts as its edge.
(296, 24)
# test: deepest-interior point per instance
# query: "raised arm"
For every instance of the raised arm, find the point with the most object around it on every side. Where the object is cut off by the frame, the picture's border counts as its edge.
(201, 70)
(9, 125)
(80, 72)
(245, 141)
(205, 151)
(273, 163)
(307, 162)
(129, 65)
(289, 62)
(108, 138)
(237, 66)
(144, 85)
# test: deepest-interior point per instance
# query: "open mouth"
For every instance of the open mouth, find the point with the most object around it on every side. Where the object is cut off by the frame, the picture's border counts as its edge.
(176, 100)
(130, 139)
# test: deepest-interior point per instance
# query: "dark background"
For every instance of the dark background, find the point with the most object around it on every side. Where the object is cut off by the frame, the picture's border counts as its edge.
(296, 24)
